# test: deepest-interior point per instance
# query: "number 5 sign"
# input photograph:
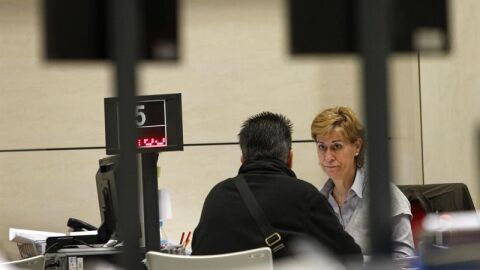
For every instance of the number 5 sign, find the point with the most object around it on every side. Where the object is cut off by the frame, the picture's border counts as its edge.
(158, 119)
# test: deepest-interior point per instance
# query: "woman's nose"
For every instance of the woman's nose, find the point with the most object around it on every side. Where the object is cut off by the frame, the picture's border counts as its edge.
(329, 155)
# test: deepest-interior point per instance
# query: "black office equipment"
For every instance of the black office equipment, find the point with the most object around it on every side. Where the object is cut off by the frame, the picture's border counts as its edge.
(108, 200)
(78, 30)
(55, 243)
(158, 128)
(79, 225)
(331, 26)
(83, 257)
(159, 123)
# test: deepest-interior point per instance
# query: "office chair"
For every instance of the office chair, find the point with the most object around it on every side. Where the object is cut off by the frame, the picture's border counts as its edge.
(435, 198)
(32, 263)
(253, 259)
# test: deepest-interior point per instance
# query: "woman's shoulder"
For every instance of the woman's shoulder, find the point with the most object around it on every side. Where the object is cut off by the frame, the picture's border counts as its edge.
(400, 203)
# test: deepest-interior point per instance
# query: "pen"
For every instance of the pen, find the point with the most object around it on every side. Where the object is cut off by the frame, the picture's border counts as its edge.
(181, 238)
(187, 240)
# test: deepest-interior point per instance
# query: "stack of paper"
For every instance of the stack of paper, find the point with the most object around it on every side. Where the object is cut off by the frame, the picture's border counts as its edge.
(29, 236)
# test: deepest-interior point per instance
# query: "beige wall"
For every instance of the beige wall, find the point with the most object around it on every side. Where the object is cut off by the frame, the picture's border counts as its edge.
(235, 63)
(451, 104)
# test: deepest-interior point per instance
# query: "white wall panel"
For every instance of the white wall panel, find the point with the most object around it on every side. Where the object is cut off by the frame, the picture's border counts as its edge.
(42, 104)
(450, 103)
(41, 190)
(405, 133)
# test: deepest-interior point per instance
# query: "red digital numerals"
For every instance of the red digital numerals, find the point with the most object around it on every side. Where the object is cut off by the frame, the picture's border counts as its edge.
(150, 142)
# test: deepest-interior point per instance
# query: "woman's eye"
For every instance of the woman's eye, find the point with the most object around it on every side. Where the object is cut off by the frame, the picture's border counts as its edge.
(322, 147)
(337, 146)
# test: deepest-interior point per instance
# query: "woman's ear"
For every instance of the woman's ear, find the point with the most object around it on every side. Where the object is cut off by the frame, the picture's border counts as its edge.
(358, 145)
(242, 159)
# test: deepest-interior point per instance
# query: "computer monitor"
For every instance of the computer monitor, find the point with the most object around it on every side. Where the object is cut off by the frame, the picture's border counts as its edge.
(108, 200)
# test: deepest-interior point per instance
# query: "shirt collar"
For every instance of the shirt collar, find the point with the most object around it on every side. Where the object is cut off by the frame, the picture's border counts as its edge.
(327, 188)
(357, 187)
(359, 183)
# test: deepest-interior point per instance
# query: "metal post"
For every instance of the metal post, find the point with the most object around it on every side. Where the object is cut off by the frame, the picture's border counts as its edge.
(150, 201)
(124, 36)
(374, 37)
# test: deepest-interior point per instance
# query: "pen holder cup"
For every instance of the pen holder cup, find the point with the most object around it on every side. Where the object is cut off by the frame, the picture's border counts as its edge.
(174, 249)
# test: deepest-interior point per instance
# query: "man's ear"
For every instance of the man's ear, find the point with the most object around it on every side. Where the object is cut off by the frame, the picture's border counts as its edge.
(290, 159)
(242, 159)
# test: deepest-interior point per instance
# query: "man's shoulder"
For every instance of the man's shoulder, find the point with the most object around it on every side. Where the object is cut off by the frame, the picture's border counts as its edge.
(304, 190)
(279, 182)
(306, 185)
(223, 184)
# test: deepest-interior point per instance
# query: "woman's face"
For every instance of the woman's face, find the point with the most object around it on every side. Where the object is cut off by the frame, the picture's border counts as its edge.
(336, 155)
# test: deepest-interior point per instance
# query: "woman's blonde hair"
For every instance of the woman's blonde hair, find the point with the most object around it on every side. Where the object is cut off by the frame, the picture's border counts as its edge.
(343, 120)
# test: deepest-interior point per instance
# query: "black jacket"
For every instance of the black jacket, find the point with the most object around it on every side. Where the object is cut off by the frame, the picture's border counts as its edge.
(294, 207)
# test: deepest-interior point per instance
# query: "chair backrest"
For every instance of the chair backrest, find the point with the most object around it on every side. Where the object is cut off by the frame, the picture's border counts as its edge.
(256, 259)
(440, 197)
(435, 198)
(32, 263)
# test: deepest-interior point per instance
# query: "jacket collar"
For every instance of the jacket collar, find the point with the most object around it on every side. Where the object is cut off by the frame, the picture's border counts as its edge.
(265, 166)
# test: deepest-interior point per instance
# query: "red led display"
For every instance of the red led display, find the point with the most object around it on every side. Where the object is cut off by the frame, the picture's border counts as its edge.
(151, 142)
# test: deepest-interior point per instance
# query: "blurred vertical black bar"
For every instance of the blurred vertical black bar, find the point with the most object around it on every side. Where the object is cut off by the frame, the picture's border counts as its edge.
(374, 34)
(75, 30)
(150, 201)
(124, 47)
(160, 31)
(78, 30)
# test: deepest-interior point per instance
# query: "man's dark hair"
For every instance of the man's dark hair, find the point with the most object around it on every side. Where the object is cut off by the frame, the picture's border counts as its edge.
(266, 135)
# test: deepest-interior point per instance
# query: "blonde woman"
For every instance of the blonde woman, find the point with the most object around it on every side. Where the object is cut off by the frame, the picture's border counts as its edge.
(339, 137)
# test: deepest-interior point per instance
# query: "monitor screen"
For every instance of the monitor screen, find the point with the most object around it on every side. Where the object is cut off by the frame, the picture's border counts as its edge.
(108, 200)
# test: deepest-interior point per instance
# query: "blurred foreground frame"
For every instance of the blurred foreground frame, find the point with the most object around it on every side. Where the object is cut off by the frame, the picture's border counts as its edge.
(330, 26)
(78, 30)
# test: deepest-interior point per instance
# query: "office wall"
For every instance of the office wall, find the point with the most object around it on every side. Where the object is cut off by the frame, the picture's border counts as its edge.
(450, 88)
(235, 63)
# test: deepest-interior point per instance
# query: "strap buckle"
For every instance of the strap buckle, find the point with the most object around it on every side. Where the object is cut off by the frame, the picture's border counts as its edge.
(273, 239)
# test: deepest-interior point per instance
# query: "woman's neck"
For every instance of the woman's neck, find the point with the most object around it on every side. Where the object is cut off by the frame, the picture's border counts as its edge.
(342, 186)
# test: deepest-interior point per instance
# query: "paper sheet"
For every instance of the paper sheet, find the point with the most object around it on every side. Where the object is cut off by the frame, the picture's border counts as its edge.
(28, 236)
(164, 204)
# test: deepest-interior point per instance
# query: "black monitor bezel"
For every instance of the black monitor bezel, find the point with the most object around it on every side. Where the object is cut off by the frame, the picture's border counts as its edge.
(108, 207)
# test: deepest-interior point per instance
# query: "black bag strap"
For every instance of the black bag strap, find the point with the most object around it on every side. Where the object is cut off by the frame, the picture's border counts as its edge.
(272, 238)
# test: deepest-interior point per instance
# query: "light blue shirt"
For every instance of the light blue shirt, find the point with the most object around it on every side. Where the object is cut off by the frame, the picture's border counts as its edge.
(402, 238)
(355, 194)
